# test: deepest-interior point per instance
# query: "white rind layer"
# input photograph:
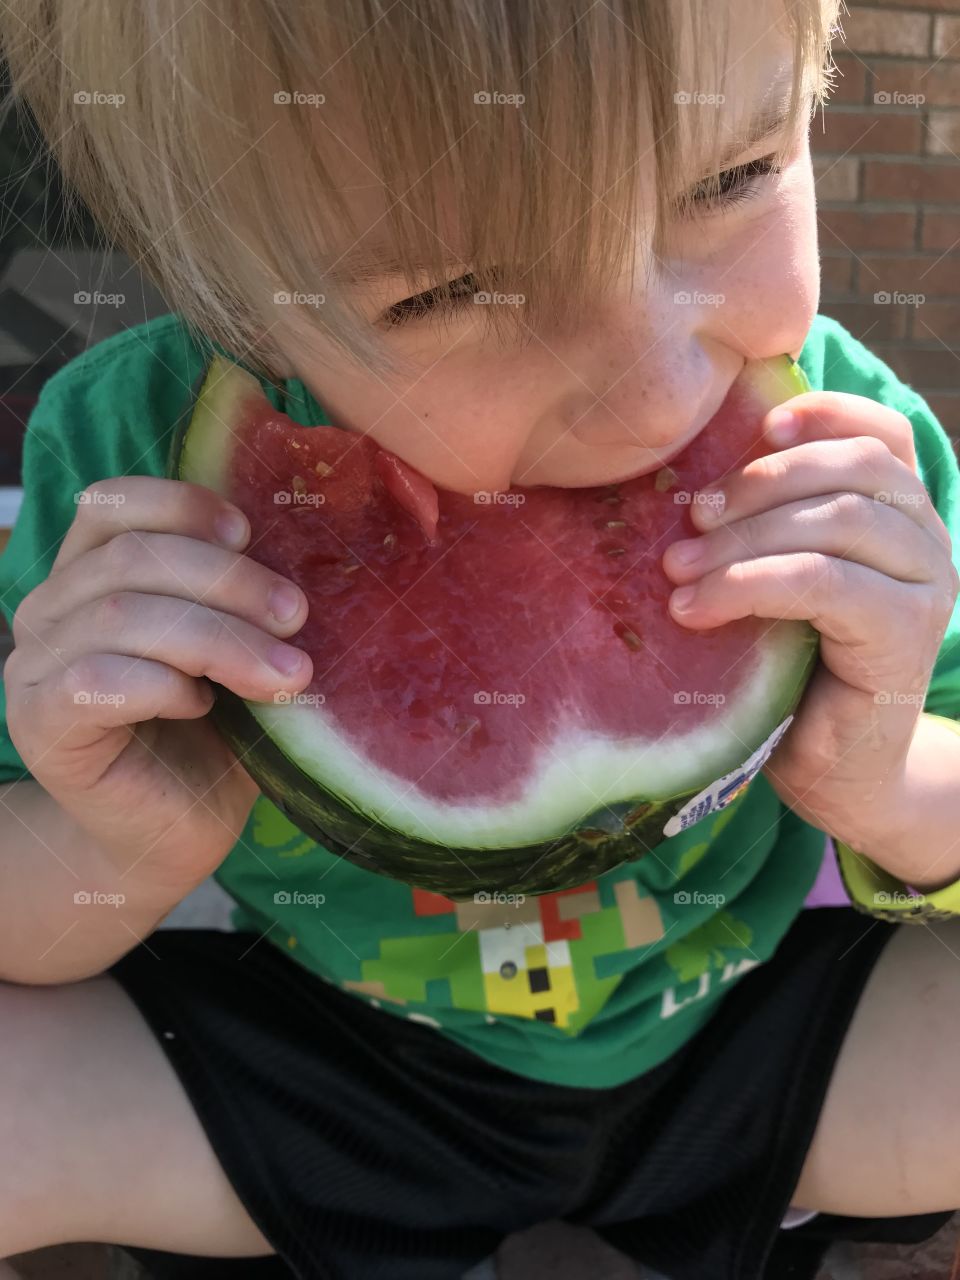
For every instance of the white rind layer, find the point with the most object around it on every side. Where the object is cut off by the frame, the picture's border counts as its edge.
(211, 440)
(573, 777)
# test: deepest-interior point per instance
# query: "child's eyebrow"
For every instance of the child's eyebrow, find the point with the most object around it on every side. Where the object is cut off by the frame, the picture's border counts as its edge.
(378, 263)
(770, 119)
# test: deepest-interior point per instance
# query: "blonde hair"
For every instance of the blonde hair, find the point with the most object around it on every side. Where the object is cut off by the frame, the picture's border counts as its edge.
(223, 193)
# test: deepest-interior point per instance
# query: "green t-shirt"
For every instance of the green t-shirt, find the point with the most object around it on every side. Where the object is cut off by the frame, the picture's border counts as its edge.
(594, 985)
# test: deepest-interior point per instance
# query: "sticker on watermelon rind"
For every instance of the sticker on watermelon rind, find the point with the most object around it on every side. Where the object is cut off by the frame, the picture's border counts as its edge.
(726, 789)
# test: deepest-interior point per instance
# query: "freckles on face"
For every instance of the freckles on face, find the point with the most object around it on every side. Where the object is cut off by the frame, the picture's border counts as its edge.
(460, 423)
(612, 399)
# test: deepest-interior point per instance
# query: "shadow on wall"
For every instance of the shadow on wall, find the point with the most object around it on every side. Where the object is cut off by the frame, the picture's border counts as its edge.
(61, 287)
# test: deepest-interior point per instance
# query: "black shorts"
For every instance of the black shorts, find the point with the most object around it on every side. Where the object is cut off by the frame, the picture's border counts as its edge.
(368, 1147)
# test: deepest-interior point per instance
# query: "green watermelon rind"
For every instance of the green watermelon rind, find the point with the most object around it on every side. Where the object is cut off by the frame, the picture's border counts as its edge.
(597, 845)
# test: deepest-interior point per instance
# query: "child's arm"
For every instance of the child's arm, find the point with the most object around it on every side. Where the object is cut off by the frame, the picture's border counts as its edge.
(65, 913)
(133, 791)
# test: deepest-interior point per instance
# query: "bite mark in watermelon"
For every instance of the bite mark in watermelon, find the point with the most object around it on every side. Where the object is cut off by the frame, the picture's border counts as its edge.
(501, 700)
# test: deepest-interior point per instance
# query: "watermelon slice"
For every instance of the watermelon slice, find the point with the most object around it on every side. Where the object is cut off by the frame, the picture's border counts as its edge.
(501, 701)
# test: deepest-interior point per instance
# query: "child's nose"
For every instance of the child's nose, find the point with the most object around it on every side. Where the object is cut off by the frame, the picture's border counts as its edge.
(651, 404)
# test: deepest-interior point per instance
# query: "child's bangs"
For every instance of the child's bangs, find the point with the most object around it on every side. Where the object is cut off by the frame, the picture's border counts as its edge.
(272, 154)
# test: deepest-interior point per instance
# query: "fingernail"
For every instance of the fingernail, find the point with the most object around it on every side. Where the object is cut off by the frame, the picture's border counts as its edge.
(782, 426)
(687, 552)
(232, 529)
(283, 601)
(710, 505)
(681, 600)
(285, 658)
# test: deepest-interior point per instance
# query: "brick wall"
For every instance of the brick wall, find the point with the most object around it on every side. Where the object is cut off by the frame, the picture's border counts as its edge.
(887, 158)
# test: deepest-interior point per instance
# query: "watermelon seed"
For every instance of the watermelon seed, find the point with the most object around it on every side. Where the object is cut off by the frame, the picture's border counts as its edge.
(629, 638)
(390, 540)
(616, 524)
(322, 469)
(299, 483)
(294, 444)
(616, 551)
(351, 568)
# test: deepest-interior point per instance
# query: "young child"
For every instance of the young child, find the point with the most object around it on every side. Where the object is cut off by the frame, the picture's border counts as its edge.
(321, 187)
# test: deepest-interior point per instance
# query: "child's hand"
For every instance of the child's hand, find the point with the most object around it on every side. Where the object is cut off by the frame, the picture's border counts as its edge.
(838, 529)
(105, 687)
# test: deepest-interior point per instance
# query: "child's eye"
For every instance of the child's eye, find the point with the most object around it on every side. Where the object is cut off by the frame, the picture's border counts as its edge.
(720, 192)
(452, 296)
(730, 187)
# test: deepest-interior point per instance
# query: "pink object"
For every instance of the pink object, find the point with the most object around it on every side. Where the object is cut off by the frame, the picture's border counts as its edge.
(828, 890)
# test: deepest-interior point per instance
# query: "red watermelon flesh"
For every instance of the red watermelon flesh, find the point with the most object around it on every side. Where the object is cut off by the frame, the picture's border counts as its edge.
(466, 645)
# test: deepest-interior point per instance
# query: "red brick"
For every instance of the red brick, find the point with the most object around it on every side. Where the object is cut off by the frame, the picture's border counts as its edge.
(837, 178)
(896, 180)
(939, 83)
(943, 133)
(930, 273)
(946, 37)
(923, 368)
(877, 31)
(859, 229)
(867, 321)
(939, 322)
(836, 275)
(946, 408)
(940, 230)
(882, 129)
(850, 85)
